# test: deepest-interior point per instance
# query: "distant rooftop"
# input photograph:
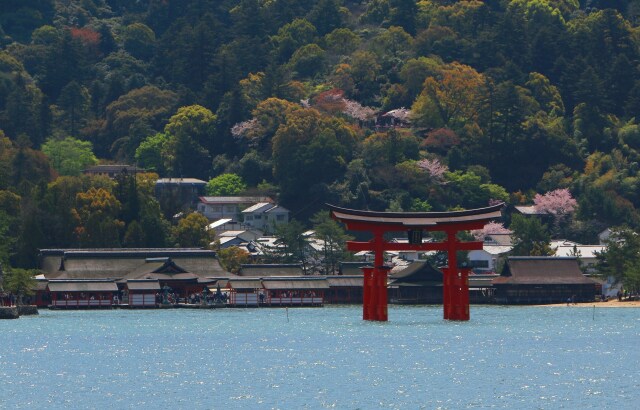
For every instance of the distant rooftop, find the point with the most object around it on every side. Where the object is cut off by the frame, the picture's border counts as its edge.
(234, 199)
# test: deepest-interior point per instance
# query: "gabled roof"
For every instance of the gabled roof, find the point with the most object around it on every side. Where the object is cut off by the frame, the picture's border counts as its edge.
(277, 208)
(417, 273)
(352, 268)
(502, 239)
(345, 281)
(118, 263)
(180, 181)
(233, 200)
(267, 270)
(113, 168)
(529, 210)
(219, 222)
(542, 270)
(244, 284)
(295, 283)
(143, 284)
(259, 207)
(82, 286)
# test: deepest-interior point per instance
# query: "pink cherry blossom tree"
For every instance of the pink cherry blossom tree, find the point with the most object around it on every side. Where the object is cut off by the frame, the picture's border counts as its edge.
(492, 228)
(434, 168)
(558, 203)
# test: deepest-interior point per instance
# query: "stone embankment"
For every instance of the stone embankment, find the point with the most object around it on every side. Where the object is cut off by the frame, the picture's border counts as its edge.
(15, 312)
(25, 310)
(9, 313)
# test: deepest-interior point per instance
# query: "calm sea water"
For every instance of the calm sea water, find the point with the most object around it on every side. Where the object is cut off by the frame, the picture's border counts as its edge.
(516, 358)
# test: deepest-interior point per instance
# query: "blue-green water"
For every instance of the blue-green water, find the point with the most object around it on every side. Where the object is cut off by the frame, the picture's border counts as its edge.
(516, 358)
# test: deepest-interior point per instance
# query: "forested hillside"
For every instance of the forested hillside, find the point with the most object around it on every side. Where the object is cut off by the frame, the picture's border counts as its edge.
(495, 100)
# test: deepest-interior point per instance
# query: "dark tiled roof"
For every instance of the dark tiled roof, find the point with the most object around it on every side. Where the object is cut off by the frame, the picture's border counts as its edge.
(542, 271)
(112, 168)
(417, 273)
(271, 270)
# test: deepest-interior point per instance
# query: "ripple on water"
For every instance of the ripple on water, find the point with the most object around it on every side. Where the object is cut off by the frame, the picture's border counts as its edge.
(515, 357)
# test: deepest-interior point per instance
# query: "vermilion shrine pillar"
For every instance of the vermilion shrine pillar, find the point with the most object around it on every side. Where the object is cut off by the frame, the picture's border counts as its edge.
(455, 280)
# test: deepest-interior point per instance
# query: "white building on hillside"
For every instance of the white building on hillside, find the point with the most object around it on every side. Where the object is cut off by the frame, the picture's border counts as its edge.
(265, 216)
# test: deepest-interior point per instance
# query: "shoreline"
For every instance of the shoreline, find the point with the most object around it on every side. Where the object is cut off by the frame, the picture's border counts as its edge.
(614, 303)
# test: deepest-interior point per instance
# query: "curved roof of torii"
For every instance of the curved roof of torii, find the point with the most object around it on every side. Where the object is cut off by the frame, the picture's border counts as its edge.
(416, 219)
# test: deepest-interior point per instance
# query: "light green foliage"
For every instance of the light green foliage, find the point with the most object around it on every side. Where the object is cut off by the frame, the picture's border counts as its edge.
(20, 282)
(195, 121)
(191, 231)
(225, 185)
(191, 139)
(69, 156)
(149, 153)
(467, 190)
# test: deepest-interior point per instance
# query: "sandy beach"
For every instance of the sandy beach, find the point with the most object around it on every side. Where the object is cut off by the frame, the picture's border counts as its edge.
(613, 303)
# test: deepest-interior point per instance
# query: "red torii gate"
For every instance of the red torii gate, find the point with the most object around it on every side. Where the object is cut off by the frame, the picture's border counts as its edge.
(455, 280)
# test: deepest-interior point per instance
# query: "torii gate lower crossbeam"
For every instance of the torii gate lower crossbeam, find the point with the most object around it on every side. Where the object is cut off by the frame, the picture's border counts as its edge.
(455, 280)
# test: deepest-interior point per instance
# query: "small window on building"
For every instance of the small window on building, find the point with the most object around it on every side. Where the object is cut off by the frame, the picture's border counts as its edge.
(479, 264)
(280, 218)
(256, 217)
(248, 217)
(230, 208)
(217, 208)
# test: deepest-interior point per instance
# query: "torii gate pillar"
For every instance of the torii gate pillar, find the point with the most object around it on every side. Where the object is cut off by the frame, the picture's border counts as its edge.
(455, 280)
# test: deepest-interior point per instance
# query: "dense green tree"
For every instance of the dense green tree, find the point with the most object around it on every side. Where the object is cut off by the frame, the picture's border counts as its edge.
(73, 105)
(292, 36)
(69, 156)
(225, 185)
(307, 60)
(531, 237)
(292, 245)
(233, 258)
(619, 260)
(28, 167)
(333, 238)
(96, 215)
(20, 282)
(148, 103)
(139, 40)
(451, 99)
(149, 153)
(306, 143)
(191, 231)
